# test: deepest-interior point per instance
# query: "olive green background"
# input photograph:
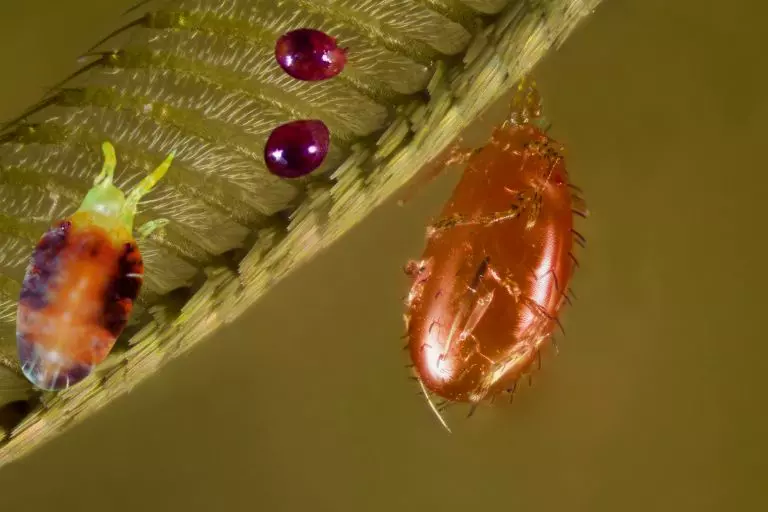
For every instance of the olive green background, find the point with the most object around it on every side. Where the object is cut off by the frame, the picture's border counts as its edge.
(657, 400)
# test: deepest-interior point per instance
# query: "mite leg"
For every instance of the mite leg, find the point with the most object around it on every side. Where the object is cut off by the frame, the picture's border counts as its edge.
(512, 288)
(482, 220)
(108, 169)
(525, 106)
(150, 227)
(147, 184)
(521, 202)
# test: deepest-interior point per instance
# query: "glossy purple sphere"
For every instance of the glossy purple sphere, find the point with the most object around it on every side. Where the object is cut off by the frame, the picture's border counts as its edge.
(297, 148)
(310, 55)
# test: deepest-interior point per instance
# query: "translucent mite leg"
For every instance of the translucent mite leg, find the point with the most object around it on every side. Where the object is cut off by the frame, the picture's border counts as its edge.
(525, 106)
(147, 184)
(107, 173)
(150, 227)
(455, 220)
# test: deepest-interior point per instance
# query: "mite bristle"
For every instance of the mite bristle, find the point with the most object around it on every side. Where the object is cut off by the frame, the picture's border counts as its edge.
(530, 380)
(566, 298)
(410, 377)
(560, 325)
(511, 392)
(137, 22)
(574, 187)
(575, 261)
(579, 236)
(553, 342)
(148, 183)
(555, 280)
(580, 213)
(407, 345)
(472, 410)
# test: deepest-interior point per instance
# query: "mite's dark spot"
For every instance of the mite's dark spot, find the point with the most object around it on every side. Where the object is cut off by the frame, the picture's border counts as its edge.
(44, 265)
(123, 290)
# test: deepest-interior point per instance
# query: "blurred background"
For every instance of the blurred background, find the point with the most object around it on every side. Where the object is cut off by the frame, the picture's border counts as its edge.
(657, 400)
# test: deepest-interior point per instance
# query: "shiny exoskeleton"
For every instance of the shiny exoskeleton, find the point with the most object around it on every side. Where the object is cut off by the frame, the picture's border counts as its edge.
(489, 286)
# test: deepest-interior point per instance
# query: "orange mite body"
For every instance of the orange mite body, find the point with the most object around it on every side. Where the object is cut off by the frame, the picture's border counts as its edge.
(75, 301)
(82, 280)
(489, 286)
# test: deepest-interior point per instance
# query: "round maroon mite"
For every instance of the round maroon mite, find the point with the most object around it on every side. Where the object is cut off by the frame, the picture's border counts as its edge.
(297, 148)
(310, 55)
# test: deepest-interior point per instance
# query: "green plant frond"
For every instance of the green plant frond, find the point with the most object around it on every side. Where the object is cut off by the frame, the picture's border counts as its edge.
(487, 6)
(14, 257)
(32, 204)
(237, 64)
(163, 270)
(9, 294)
(199, 77)
(373, 63)
(403, 19)
(13, 388)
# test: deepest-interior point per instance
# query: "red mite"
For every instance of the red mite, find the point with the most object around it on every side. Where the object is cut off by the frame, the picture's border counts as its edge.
(297, 148)
(310, 55)
(82, 280)
(487, 290)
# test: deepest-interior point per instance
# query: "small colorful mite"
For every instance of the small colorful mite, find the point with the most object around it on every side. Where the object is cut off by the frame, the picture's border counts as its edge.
(488, 288)
(83, 277)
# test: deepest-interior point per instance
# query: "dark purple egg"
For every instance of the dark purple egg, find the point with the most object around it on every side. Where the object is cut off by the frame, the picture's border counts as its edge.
(310, 55)
(297, 148)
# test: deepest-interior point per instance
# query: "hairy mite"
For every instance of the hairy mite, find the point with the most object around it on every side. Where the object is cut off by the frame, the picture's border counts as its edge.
(83, 277)
(488, 288)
